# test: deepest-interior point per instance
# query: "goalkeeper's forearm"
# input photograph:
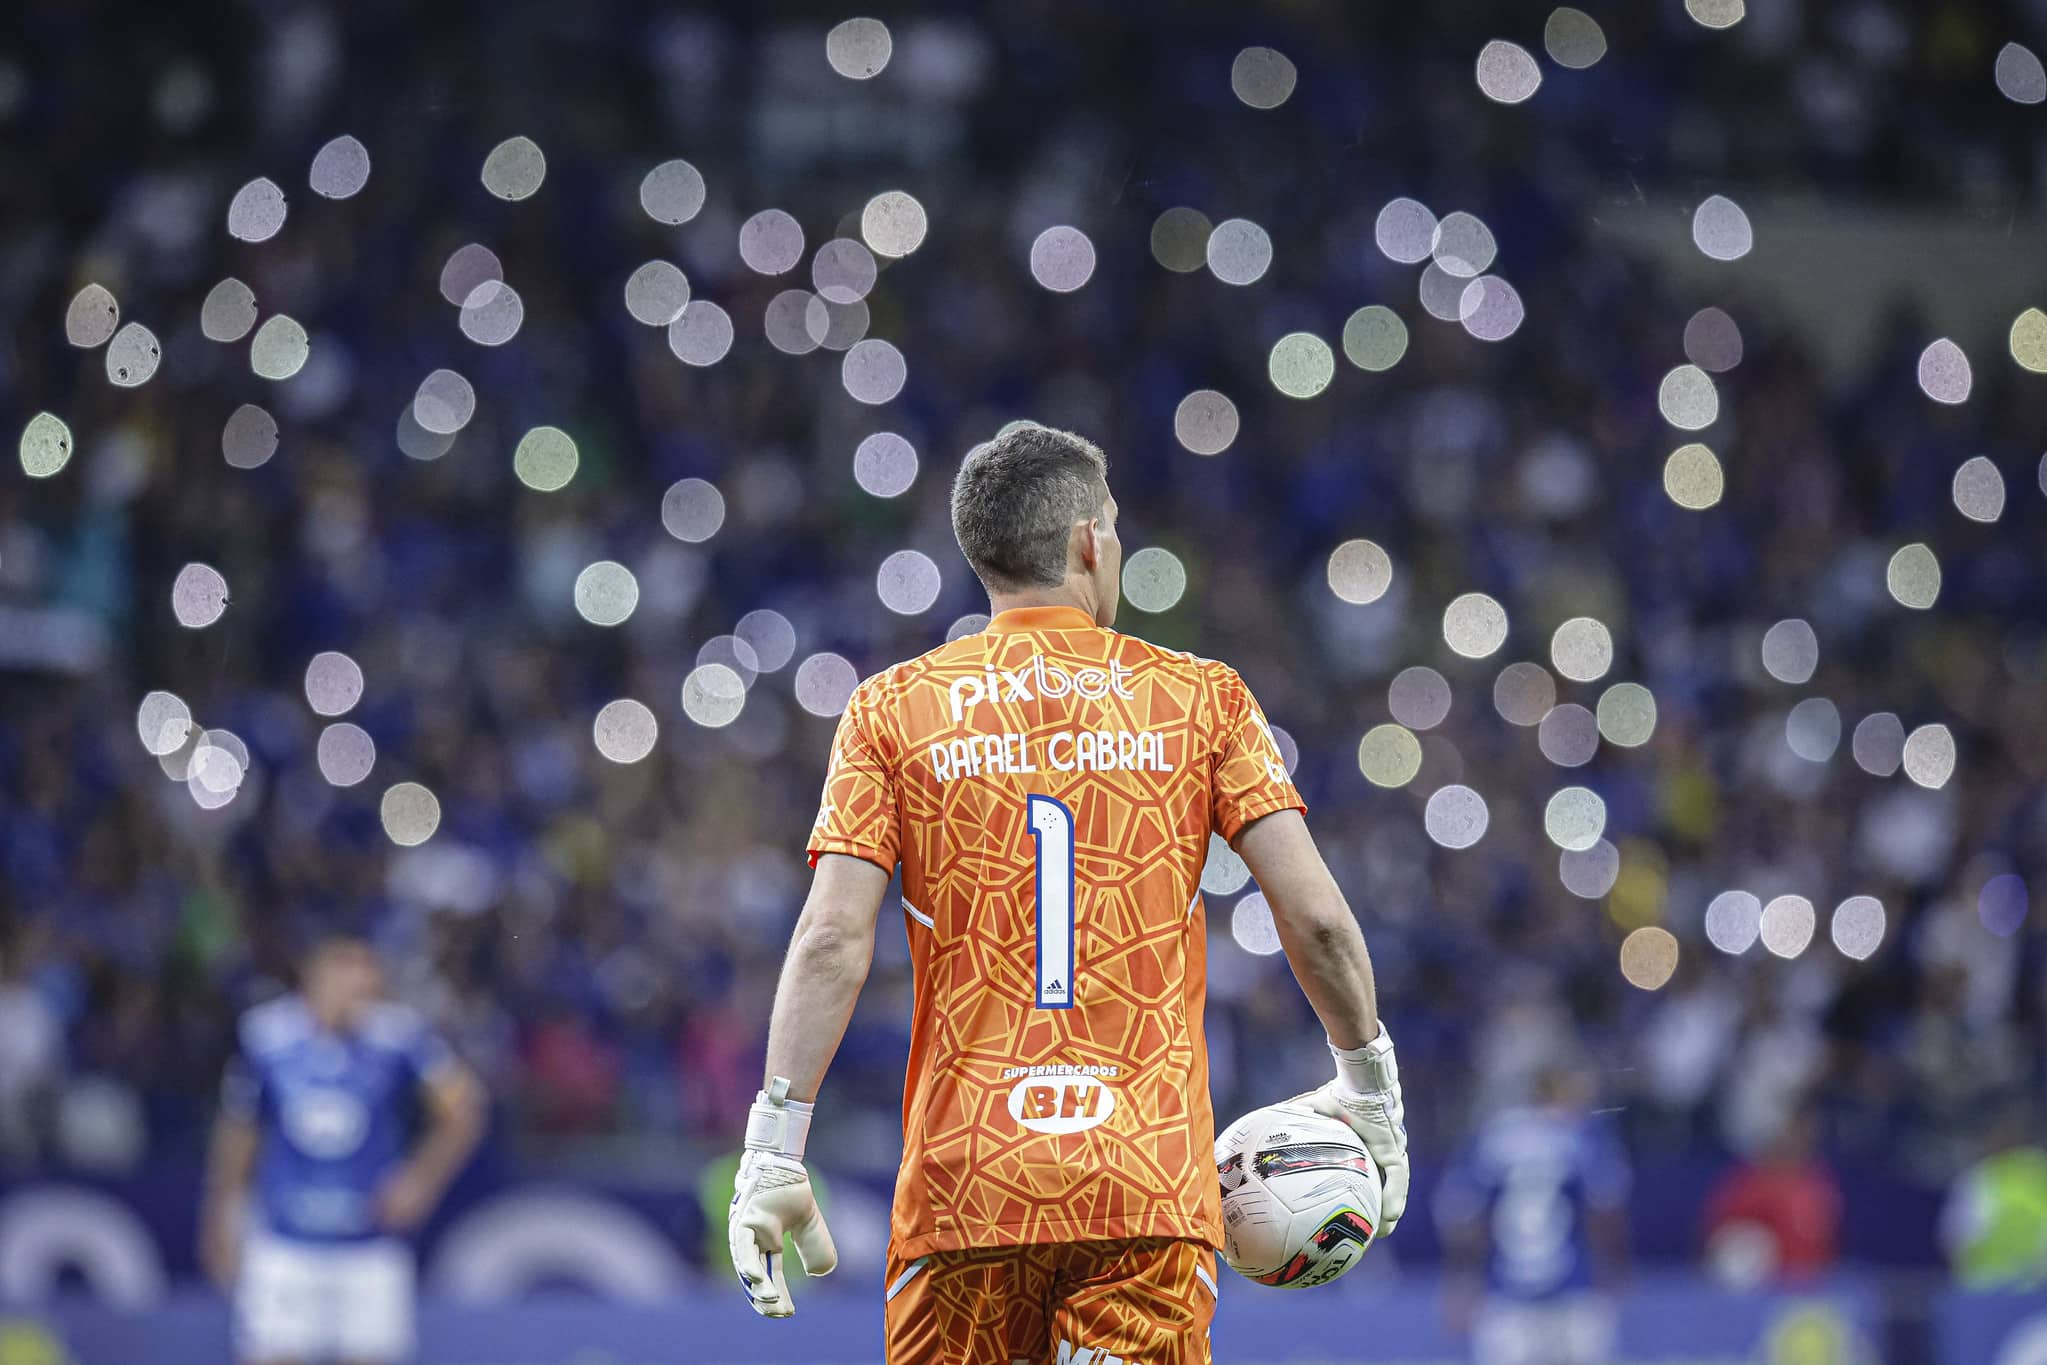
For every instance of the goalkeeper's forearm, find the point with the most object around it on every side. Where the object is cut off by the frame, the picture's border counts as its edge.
(821, 978)
(1323, 944)
(1328, 957)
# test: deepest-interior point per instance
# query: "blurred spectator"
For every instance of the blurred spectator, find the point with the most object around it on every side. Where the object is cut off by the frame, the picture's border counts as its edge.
(1994, 1225)
(1534, 1221)
(31, 1056)
(1776, 1219)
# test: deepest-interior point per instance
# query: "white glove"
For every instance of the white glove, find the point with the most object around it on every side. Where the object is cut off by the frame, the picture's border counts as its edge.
(772, 1199)
(1366, 1095)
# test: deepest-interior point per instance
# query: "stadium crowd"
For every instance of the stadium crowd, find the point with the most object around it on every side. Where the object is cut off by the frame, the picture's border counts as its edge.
(600, 940)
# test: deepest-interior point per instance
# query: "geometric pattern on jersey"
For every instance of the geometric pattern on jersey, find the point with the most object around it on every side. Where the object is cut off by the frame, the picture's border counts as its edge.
(1144, 1302)
(1025, 1124)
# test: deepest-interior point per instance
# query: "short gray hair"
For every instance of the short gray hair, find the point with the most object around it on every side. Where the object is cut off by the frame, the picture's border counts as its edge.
(1016, 499)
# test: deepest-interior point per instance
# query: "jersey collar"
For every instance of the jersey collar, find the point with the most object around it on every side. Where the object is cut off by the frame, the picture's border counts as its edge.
(1040, 618)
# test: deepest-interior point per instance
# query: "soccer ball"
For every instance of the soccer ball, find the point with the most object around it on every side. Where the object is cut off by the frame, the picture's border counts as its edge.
(1300, 1196)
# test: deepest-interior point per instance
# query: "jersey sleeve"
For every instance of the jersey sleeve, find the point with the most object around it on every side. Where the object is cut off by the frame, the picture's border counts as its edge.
(1250, 778)
(427, 1054)
(857, 814)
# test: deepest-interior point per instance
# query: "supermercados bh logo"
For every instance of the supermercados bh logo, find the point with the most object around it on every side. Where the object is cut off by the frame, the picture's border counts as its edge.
(1061, 1099)
(1036, 679)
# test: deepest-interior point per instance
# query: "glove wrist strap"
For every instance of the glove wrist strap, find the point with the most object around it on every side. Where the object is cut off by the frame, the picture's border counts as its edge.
(1369, 1068)
(777, 1123)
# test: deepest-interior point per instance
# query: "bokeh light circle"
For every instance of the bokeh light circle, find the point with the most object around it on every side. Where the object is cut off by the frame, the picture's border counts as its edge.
(908, 582)
(1507, 72)
(873, 371)
(1524, 693)
(1262, 77)
(1154, 579)
(1405, 231)
(46, 445)
(257, 212)
(1239, 251)
(334, 683)
(1581, 649)
(545, 459)
(279, 349)
(198, 596)
(1589, 873)
(1692, 477)
(1913, 577)
(1456, 816)
(1252, 926)
(1858, 927)
(1062, 259)
(1573, 39)
(340, 169)
(228, 312)
(1879, 744)
(1179, 239)
(692, 510)
(606, 593)
(656, 293)
(1721, 230)
(825, 683)
(858, 49)
(1301, 365)
(1627, 714)
(1419, 697)
(1389, 755)
(625, 730)
(713, 695)
(771, 242)
(345, 754)
(893, 224)
(1813, 729)
(672, 193)
(1568, 735)
(1687, 398)
(1978, 490)
(702, 335)
(1791, 651)
(1205, 422)
(410, 813)
(134, 355)
(92, 317)
(1944, 374)
(1733, 920)
(1649, 957)
(1359, 571)
(1374, 338)
(1929, 756)
(1474, 625)
(515, 169)
(1787, 925)
(885, 465)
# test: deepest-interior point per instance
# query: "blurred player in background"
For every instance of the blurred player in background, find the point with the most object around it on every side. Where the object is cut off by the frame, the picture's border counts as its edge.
(1049, 787)
(1534, 1218)
(342, 1121)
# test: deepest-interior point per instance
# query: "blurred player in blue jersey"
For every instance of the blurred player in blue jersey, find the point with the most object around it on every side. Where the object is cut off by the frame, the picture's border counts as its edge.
(1534, 1219)
(342, 1121)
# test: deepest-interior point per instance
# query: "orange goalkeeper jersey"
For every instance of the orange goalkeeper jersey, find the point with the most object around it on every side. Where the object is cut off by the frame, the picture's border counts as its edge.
(1049, 788)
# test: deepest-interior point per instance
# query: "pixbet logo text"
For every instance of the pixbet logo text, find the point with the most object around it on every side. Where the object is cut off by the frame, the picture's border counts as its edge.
(1038, 678)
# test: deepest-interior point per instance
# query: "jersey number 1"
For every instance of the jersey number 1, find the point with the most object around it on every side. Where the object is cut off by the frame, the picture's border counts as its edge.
(1052, 831)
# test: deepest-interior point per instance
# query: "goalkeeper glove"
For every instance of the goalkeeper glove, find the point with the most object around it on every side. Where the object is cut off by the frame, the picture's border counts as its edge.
(1366, 1095)
(772, 1198)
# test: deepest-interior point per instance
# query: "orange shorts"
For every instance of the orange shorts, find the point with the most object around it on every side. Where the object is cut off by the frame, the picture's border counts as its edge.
(1141, 1301)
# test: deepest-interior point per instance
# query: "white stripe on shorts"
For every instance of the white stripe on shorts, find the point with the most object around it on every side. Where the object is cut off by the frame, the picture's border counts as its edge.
(1203, 1276)
(919, 916)
(908, 1274)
